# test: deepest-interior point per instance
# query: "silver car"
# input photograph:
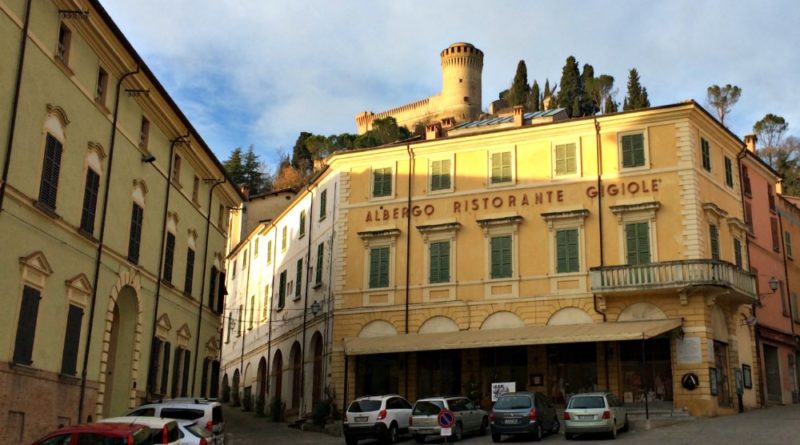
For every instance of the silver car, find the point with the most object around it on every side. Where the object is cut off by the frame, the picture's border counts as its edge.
(469, 418)
(594, 412)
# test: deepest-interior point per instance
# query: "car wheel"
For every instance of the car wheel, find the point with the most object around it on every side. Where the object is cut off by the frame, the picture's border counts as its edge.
(614, 429)
(556, 426)
(350, 440)
(569, 436)
(495, 437)
(391, 435)
(484, 426)
(626, 426)
(419, 438)
(537, 435)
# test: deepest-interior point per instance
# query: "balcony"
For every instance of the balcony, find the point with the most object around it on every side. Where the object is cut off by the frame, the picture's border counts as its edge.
(675, 276)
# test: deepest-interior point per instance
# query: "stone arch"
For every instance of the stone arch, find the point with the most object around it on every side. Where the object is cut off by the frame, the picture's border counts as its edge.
(316, 371)
(261, 381)
(247, 378)
(126, 279)
(502, 320)
(568, 316)
(276, 376)
(226, 389)
(641, 311)
(296, 363)
(438, 323)
(378, 328)
(719, 325)
(235, 387)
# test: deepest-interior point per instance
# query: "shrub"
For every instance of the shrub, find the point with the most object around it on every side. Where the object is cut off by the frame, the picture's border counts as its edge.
(321, 412)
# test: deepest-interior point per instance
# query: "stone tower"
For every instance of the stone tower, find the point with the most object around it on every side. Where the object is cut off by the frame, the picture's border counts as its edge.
(462, 66)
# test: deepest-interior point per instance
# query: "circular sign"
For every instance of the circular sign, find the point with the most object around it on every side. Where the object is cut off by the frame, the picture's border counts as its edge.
(446, 418)
(690, 381)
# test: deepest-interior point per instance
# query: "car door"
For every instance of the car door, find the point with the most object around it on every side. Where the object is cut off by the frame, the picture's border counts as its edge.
(613, 406)
(459, 407)
(474, 415)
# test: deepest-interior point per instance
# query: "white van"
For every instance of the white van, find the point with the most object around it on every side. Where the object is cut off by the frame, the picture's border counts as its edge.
(207, 413)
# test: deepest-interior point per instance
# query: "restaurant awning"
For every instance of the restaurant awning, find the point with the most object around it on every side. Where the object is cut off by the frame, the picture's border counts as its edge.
(529, 335)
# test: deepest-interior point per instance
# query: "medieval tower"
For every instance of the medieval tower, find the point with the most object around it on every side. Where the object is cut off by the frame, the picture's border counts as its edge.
(459, 100)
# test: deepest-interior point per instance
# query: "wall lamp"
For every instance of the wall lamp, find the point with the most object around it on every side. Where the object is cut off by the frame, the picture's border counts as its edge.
(315, 307)
(148, 158)
(773, 286)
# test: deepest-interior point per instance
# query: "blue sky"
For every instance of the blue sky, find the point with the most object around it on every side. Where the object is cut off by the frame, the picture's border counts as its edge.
(259, 72)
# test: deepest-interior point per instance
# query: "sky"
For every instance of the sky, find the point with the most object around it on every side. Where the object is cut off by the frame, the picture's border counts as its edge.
(258, 72)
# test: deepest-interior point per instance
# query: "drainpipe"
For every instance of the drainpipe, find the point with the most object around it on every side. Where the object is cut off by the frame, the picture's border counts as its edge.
(327, 341)
(216, 182)
(242, 316)
(160, 273)
(310, 220)
(100, 241)
(599, 145)
(14, 105)
(408, 248)
(271, 305)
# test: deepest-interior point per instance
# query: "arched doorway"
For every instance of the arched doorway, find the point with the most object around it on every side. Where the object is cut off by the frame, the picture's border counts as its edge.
(316, 387)
(277, 376)
(261, 385)
(235, 389)
(296, 359)
(121, 347)
(226, 389)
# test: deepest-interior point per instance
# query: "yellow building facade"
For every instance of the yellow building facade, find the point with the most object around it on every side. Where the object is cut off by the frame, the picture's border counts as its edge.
(113, 215)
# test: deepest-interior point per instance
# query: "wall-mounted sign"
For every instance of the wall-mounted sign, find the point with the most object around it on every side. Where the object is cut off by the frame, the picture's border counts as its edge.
(690, 381)
(688, 350)
(747, 376)
(500, 388)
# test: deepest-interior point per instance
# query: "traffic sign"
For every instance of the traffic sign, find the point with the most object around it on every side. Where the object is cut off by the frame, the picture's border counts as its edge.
(446, 418)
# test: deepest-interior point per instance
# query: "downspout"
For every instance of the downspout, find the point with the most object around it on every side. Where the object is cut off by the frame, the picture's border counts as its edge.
(242, 316)
(96, 278)
(271, 315)
(14, 105)
(160, 273)
(408, 249)
(327, 342)
(217, 182)
(599, 145)
(310, 220)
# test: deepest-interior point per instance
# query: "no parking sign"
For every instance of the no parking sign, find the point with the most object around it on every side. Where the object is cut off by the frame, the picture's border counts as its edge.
(446, 420)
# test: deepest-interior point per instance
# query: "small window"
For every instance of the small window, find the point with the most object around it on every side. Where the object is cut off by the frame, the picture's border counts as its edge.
(776, 241)
(323, 204)
(381, 182)
(90, 191)
(64, 42)
(633, 150)
(282, 291)
(299, 279)
(379, 267)
(439, 267)
(565, 159)
(748, 215)
(269, 252)
(440, 175)
(302, 223)
(69, 358)
(169, 257)
(196, 189)
(51, 168)
(255, 247)
(252, 312)
(706, 152)
(320, 259)
(567, 250)
(212, 286)
(728, 172)
(265, 303)
(144, 133)
(284, 238)
(713, 235)
(189, 277)
(176, 170)
(746, 181)
(787, 241)
(737, 253)
(26, 326)
(244, 259)
(135, 234)
(102, 86)
(501, 261)
(501, 169)
(637, 243)
(241, 321)
(771, 197)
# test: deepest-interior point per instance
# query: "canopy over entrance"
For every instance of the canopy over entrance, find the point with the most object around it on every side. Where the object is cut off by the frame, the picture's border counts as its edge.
(530, 335)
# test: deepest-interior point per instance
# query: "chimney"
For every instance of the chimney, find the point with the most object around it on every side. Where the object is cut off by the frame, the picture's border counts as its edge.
(433, 131)
(245, 191)
(546, 102)
(519, 116)
(448, 123)
(750, 142)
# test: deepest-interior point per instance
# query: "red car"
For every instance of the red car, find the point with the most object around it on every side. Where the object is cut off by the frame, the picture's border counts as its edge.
(98, 433)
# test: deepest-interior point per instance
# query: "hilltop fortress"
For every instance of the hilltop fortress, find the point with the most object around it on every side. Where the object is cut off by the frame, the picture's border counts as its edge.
(459, 100)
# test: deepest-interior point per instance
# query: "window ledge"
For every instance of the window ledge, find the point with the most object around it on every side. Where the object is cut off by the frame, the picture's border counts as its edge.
(101, 106)
(63, 65)
(69, 378)
(87, 235)
(47, 210)
(323, 217)
(24, 369)
(317, 285)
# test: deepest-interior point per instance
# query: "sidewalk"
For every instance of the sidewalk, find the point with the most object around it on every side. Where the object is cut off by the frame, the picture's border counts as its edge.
(244, 428)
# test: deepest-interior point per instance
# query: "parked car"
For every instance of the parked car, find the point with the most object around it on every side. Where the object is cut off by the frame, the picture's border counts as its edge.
(384, 417)
(594, 412)
(162, 431)
(191, 433)
(523, 413)
(207, 413)
(424, 417)
(105, 433)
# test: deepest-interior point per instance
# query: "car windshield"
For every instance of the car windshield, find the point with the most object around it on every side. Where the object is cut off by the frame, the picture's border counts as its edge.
(198, 431)
(513, 402)
(427, 408)
(364, 406)
(586, 402)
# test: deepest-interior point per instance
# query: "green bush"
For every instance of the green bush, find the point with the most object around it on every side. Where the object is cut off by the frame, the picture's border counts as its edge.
(321, 412)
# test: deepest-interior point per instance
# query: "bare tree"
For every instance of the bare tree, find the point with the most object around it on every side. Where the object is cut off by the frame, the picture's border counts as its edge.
(723, 99)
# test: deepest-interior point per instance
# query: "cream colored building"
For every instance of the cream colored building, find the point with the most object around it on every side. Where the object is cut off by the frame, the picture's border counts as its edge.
(97, 319)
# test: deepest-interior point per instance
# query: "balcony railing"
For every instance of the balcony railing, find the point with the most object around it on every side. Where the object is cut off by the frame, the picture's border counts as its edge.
(672, 275)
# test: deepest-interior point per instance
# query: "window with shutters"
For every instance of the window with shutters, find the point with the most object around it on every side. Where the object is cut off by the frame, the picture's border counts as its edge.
(169, 257)
(240, 321)
(302, 223)
(500, 257)
(282, 290)
(705, 149)
(102, 87)
(26, 326)
(728, 172)
(221, 292)
(771, 197)
(176, 170)
(164, 374)
(323, 204)
(501, 167)
(566, 159)
(196, 190)
(782, 294)
(795, 307)
(252, 312)
(284, 238)
(381, 182)
(155, 365)
(737, 253)
(298, 279)
(440, 175)
(748, 191)
(177, 368)
(320, 264)
(637, 243)
(144, 133)
(212, 286)
(776, 240)
(633, 150)
(265, 303)
(255, 247)
(48, 188)
(90, 191)
(244, 259)
(379, 267)
(269, 252)
(787, 242)
(567, 251)
(713, 236)
(64, 44)
(439, 262)
(189, 277)
(748, 215)
(187, 355)
(135, 234)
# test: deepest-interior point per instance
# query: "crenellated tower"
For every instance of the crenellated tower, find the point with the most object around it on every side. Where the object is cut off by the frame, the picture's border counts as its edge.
(462, 67)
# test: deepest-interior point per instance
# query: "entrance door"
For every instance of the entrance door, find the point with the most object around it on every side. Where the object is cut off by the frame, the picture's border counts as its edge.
(438, 373)
(119, 381)
(378, 374)
(772, 366)
(723, 382)
(572, 369)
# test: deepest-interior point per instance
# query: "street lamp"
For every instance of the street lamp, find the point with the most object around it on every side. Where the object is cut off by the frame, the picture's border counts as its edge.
(315, 307)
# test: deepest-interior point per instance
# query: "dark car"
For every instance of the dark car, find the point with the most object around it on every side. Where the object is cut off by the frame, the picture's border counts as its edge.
(523, 413)
(104, 433)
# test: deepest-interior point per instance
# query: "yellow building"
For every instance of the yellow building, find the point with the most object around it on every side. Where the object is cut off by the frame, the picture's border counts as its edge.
(101, 173)
(560, 255)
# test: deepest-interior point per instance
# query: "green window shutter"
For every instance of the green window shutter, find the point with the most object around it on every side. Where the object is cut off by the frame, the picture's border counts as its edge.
(299, 278)
(302, 223)
(497, 168)
(379, 267)
(705, 148)
(728, 172)
(571, 160)
(506, 173)
(320, 256)
(323, 204)
(737, 253)
(440, 179)
(560, 154)
(567, 251)
(501, 257)
(633, 150)
(714, 237)
(282, 290)
(637, 241)
(440, 262)
(382, 182)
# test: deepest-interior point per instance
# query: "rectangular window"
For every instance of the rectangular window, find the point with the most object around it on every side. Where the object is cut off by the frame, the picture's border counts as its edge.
(282, 290)
(795, 304)
(706, 151)
(187, 355)
(713, 236)
(776, 240)
(255, 247)
(632, 150)
(169, 256)
(265, 303)
(299, 279)
(240, 323)
(252, 312)
(501, 256)
(440, 175)
(378, 267)
(320, 259)
(26, 326)
(323, 204)
(302, 224)
(135, 238)
(748, 215)
(102, 86)
(728, 172)
(501, 167)
(381, 182)
(212, 286)
(51, 168)
(269, 252)
(144, 133)
(90, 191)
(187, 282)
(69, 358)
(284, 238)
(221, 216)
(771, 197)
(737, 253)
(439, 262)
(637, 243)
(787, 241)
(64, 42)
(746, 182)
(244, 259)
(165, 368)
(566, 159)
(196, 189)
(567, 251)
(155, 357)
(176, 170)
(221, 291)
(782, 292)
(177, 366)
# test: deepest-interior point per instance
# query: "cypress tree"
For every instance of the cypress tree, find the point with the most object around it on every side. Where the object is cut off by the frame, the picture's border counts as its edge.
(637, 95)
(590, 105)
(571, 95)
(547, 94)
(519, 91)
(535, 104)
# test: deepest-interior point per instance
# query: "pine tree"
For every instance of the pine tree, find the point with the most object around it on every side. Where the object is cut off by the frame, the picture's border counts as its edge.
(535, 103)
(253, 172)
(637, 95)
(610, 105)
(723, 99)
(519, 91)
(590, 104)
(547, 95)
(301, 155)
(571, 95)
(234, 167)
